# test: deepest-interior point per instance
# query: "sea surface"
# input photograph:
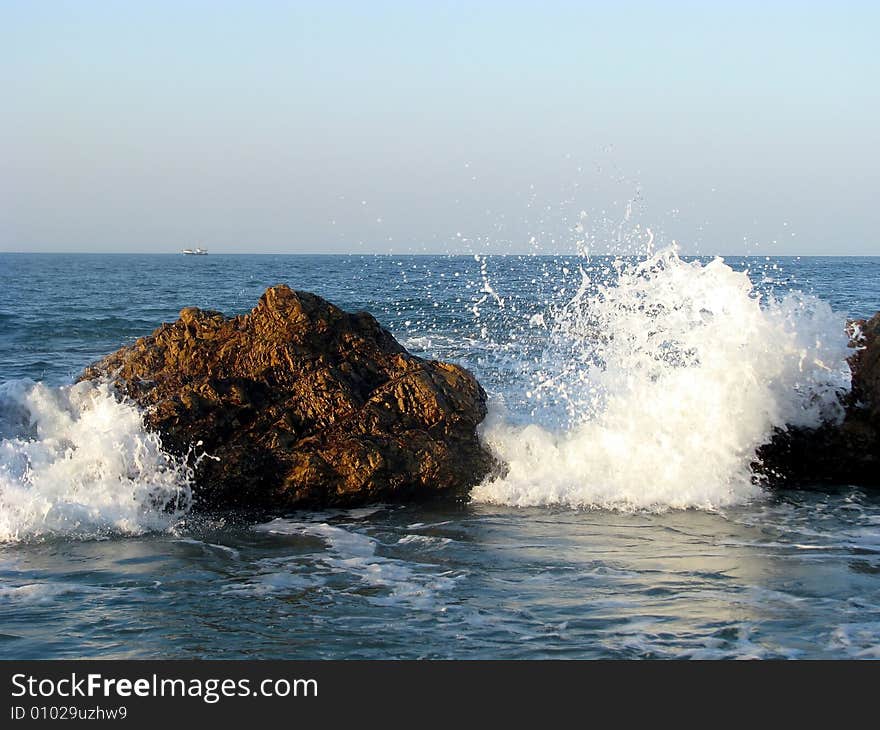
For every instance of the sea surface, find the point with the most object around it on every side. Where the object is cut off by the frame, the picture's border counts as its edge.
(627, 396)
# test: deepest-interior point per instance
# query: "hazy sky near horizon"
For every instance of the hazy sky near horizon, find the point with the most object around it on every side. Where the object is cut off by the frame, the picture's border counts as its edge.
(733, 127)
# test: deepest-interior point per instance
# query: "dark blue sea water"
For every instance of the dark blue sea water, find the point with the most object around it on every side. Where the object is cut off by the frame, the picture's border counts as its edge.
(627, 527)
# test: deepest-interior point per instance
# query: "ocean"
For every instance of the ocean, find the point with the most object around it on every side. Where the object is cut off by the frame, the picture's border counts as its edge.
(627, 397)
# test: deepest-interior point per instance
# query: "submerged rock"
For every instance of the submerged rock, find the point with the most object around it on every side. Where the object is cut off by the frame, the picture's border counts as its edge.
(302, 404)
(843, 453)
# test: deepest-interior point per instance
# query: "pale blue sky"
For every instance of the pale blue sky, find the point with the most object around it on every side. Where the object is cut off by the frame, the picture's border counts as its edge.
(396, 126)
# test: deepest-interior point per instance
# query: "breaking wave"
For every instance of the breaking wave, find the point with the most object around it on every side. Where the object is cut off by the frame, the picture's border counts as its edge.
(665, 378)
(77, 462)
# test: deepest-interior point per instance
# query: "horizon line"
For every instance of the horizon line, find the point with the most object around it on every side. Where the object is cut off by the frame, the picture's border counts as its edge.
(469, 254)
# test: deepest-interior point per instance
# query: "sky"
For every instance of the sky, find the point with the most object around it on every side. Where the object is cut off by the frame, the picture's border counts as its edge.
(439, 127)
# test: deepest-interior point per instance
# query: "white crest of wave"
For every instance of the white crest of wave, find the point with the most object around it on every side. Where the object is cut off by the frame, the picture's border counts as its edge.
(75, 461)
(668, 379)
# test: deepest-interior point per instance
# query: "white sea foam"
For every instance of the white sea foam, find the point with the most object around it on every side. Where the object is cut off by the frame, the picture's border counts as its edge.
(425, 541)
(351, 553)
(40, 593)
(664, 383)
(77, 462)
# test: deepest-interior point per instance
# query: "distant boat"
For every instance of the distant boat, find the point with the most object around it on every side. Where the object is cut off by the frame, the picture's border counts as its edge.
(195, 251)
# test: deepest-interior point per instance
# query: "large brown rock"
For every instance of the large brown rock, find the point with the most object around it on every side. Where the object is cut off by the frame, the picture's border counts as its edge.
(303, 404)
(847, 453)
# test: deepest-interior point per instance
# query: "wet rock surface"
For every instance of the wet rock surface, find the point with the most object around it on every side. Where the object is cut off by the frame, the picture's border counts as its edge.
(301, 404)
(836, 454)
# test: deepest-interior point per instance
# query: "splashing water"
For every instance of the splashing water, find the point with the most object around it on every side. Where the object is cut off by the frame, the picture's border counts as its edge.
(666, 381)
(655, 388)
(76, 462)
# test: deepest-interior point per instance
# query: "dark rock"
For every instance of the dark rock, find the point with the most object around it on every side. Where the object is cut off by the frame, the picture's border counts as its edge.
(865, 365)
(847, 453)
(303, 404)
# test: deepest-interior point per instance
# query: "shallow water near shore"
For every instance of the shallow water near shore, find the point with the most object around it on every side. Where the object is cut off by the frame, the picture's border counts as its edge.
(738, 573)
(794, 576)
